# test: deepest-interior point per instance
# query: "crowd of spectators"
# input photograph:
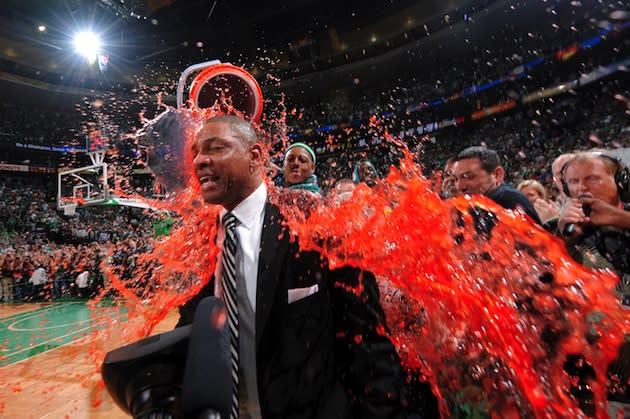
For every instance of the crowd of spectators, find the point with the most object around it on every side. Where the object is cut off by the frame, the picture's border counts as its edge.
(449, 75)
(45, 254)
(35, 269)
(529, 140)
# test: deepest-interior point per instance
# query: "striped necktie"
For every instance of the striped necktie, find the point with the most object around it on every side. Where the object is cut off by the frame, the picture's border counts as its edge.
(228, 270)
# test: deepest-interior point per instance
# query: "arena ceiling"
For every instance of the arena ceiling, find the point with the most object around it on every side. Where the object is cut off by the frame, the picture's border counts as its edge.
(139, 31)
(170, 34)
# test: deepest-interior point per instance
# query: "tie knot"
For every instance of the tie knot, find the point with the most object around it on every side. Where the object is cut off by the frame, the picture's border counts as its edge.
(229, 221)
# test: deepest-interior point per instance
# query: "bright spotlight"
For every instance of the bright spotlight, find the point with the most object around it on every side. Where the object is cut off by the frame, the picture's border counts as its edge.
(41, 28)
(87, 44)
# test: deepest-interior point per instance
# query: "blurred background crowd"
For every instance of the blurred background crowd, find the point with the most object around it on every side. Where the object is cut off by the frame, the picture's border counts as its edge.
(433, 80)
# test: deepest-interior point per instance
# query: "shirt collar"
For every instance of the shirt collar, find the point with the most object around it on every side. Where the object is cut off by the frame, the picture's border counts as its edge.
(247, 211)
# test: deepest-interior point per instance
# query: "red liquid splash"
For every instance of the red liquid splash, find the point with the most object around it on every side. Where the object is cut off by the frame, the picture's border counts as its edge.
(469, 295)
(487, 305)
(484, 301)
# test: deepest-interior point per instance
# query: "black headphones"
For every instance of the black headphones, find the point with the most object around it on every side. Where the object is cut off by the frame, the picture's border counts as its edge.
(622, 175)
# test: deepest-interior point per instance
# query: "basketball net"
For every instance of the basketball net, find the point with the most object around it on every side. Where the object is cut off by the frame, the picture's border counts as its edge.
(69, 209)
(97, 156)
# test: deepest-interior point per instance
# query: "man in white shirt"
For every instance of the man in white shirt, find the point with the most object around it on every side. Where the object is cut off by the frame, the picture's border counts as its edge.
(38, 277)
(82, 282)
(308, 347)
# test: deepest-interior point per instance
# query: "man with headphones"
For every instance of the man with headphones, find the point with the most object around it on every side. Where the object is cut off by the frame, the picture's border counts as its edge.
(595, 225)
(596, 185)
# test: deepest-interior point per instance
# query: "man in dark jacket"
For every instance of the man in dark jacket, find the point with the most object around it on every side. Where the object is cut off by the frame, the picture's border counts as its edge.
(478, 170)
(311, 341)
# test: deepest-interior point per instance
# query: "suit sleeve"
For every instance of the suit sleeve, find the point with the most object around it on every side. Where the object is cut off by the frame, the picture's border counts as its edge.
(370, 368)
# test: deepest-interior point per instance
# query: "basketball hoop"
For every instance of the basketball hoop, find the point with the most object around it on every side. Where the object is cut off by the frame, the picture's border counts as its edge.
(68, 205)
(83, 185)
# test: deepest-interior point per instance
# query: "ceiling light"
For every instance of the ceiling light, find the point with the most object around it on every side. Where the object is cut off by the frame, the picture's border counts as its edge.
(88, 45)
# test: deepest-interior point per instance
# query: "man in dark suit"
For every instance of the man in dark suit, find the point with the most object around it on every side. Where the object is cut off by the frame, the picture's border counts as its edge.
(478, 170)
(312, 341)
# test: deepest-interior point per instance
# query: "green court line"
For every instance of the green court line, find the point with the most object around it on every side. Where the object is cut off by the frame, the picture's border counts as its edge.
(33, 332)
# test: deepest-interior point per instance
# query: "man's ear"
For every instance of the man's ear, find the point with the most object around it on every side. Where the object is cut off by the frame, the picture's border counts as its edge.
(256, 154)
(499, 174)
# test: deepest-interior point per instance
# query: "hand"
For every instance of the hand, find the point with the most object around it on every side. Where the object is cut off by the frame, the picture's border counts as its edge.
(604, 214)
(572, 213)
(546, 210)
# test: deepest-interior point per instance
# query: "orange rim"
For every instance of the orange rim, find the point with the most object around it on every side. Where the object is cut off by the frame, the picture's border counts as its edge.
(210, 72)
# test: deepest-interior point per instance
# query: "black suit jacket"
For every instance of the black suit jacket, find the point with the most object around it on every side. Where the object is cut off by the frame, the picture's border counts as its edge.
(326, 355)
(510, 198)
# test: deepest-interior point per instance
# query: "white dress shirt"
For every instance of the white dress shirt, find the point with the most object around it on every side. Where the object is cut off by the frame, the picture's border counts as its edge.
(250, 214)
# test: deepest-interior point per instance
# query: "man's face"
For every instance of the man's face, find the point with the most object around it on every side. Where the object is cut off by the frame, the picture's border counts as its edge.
(226, 167)
(298, 166)
(367, 173)
(591, 178)
(471, 178)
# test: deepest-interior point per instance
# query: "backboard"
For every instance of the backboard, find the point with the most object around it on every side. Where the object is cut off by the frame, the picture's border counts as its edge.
(87, 185)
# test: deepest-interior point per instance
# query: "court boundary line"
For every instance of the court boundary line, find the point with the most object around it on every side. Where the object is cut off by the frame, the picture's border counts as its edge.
(27, 312)
(52, 340)
(34, 313)
(11, 327)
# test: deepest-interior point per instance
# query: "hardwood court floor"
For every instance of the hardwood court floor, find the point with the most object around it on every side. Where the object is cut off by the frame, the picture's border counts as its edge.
(45, 375)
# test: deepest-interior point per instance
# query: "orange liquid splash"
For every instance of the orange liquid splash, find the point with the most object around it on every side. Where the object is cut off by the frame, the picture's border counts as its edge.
(480, 299)
(484, 302)
(477, 297)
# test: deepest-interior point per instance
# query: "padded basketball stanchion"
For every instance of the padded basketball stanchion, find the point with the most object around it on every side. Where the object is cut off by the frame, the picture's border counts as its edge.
(218, 80)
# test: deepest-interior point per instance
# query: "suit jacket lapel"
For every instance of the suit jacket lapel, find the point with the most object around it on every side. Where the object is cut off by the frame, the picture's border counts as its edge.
(271, 256)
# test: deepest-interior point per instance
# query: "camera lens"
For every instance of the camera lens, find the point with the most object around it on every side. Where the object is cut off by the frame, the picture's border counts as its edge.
(154, 393)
